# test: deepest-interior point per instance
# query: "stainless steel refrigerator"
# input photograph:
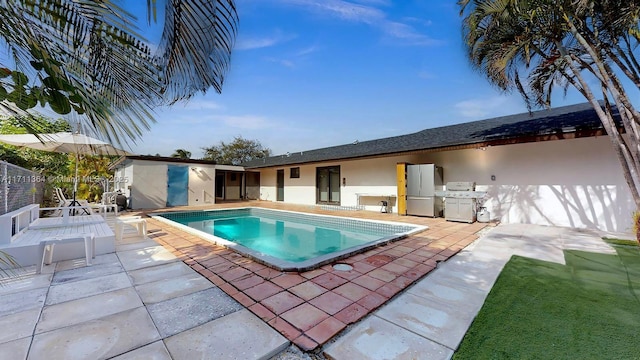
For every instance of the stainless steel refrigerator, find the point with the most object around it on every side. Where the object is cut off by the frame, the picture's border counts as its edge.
(422, 183)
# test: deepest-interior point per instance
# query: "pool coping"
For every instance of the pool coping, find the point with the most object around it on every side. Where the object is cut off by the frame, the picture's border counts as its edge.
(290, 266)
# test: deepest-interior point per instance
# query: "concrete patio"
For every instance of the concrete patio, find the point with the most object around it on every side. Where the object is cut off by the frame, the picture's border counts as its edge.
(143, 302)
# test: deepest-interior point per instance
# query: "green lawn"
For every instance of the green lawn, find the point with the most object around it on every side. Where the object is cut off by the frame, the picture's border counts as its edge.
(588, 309)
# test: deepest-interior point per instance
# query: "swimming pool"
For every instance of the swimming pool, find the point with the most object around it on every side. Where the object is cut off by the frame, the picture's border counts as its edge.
(285, 240)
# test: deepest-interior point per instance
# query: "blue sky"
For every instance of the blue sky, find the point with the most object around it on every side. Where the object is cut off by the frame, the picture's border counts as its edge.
(307, 74)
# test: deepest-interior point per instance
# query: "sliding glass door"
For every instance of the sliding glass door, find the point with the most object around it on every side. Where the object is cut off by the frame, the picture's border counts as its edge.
(328, 185)
(280, 185)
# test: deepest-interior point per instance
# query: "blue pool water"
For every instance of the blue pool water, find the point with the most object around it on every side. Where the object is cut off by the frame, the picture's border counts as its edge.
(291, 238)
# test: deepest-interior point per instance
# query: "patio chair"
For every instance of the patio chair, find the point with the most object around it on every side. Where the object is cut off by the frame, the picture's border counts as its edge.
(137, 221)
(64, 202)
(47, 246)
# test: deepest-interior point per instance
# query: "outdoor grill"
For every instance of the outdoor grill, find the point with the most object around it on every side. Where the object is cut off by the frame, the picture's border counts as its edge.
(461, 201)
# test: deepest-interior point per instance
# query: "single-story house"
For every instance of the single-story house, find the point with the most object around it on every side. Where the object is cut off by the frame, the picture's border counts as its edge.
(153, 182)
(550, 167)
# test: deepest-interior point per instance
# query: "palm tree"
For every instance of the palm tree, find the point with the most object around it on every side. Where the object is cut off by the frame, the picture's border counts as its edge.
(181, 154)
(86, 59)
(537, 46)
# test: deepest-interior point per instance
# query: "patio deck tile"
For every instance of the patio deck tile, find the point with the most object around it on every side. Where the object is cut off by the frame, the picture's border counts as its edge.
(324, 331)
(85, 288)
(224, 339)
(100, 338)
(388, 290)
(247, 281)
(145, 257)
(253, 266)
(281, 302)
(268, 273)
(313, 273)
(262, 312)
(331, 302)
(368, 282)
(404, 262)
(24, 283)
(329, 280)
(286, 329)
(305, 316)
(429, 318)
(362, 267)
(85, 309)
(352, 291)
(15, 349)
(212, 261)
(349, 275)
(372, 301)
(263, 290)
(288, 280)
(243, 299)
(307, 290)
(305, 343)
(21, 324)
(223, 266)
(395, 268)
(154, 351)
(160, 272)
(383, 275)
(24, 300)
(166, 289)
(374, 338)
(234, 273)
(379, 260)
(188, 311)
(352, 313)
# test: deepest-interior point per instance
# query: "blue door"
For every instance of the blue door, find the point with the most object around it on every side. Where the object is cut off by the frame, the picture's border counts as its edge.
(177, 185)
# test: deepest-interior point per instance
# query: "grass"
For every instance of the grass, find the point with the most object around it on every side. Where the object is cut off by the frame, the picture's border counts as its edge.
(614, 241)
(587, 309)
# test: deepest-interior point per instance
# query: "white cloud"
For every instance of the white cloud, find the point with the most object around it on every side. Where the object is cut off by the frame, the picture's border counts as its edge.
(308, 50)
(407, 34)
(416, 20)
(375, 2)
(283, 62)
(202, 105)
(248, 43)
(481, 108)
(365, 12)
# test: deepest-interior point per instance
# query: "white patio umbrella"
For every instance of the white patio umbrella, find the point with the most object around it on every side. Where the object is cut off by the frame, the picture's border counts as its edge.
(64, 142)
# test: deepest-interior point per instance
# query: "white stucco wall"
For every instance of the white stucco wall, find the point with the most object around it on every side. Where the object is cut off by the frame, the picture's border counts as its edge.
(371, 176)
(201, 184)
(123, 177)
(148, 181)
(576, 182)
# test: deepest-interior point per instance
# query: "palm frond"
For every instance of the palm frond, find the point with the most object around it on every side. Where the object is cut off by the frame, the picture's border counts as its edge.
(87, 58)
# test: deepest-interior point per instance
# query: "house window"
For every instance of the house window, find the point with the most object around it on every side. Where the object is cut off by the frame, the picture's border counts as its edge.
(295, 173)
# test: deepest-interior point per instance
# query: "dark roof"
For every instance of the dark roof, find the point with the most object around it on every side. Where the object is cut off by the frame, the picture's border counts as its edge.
(580, 119)
(162, 159)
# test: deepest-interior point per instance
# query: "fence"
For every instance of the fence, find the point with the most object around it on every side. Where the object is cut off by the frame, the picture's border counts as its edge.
(19, 187)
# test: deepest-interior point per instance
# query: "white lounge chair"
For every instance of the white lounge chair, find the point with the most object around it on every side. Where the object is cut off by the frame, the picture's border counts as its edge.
(64, 202)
